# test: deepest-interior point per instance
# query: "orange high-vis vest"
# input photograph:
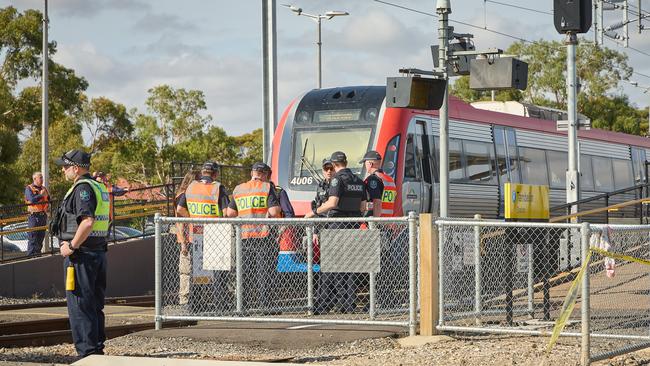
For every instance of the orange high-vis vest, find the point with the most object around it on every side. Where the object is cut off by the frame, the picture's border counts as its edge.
(389, 195)
(251, 199)
(40, 207)
(203, 199)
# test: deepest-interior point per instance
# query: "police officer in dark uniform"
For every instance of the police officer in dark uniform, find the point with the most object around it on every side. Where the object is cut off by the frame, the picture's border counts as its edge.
(347, 198)
(322, 193)
(374, 186)
(81, 224)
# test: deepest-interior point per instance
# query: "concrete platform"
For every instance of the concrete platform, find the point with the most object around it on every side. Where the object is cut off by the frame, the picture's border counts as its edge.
(12, 363)
(285, 336)
(150, 361)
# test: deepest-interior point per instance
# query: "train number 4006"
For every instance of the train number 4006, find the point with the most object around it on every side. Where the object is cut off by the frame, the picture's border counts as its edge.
(296, 181)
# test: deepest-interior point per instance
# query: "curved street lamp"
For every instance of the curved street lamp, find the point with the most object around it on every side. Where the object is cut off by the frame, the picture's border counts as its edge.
(318, 18)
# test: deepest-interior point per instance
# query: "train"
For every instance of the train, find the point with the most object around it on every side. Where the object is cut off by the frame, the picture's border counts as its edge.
(486, 149)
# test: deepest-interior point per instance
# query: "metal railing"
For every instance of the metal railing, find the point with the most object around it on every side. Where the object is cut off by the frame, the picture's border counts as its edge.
(508, 278)
(336, 270)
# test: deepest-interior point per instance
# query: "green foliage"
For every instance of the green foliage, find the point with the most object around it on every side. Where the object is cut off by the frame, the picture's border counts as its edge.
(460, 89)
(106, 122)
(64, 135)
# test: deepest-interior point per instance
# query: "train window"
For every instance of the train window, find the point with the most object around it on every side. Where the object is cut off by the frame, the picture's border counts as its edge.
(479, 157)
(622, 173)
(603, 181)
(557, 167)
(507, 157)
(456, 171)
(424, 151)
(533, 166)
(410, 170)
(586, 174)
(389, 165)
(638, 165)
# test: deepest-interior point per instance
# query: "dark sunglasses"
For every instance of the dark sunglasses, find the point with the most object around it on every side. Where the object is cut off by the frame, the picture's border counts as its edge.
(328, 168)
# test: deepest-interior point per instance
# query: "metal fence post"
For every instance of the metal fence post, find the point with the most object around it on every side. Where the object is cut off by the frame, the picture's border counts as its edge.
(585, 318)
(477, 272)
(531, 279)
(238, 269)
(158, 271)
(309, 232)
(441, 274)
(372, 284)
(412, 271)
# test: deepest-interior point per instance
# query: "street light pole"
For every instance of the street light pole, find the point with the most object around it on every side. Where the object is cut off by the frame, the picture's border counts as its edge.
(44, 106)
(320, 60)
(270, 75)
(318, 19)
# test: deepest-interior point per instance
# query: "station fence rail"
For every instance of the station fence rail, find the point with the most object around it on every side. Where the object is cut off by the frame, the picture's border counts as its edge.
(132, 217)
(322, 270)
(520, 278)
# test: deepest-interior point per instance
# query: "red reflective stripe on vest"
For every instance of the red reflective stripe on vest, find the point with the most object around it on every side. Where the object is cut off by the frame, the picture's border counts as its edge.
(251, 199)
(389, 195)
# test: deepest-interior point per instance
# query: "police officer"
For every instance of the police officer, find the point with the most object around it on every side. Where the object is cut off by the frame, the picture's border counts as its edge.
(82, 227)
(380, 186)
(383, 192)
(256, 199)
(204, 198)
(347, 198)
(285, 203)
(37, 199)
(323, 187)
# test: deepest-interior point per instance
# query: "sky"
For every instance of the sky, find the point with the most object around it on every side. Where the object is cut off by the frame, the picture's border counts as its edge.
(125, 47)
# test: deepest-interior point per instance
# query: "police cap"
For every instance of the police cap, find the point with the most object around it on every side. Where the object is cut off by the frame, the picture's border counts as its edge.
(74, 157)
(210, 166)
(261, 167)
(371, 155)
(338, 157)
(327, 161)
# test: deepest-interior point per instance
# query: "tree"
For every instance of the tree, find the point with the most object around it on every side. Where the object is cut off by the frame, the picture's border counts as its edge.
(106, 121)
(178, 113)
(63, 135)
(460, 88)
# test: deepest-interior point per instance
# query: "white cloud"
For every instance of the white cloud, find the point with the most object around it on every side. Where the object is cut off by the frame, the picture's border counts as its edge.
(72, 8)
(159, 22)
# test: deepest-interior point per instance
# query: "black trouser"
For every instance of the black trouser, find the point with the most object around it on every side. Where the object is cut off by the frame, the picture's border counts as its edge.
(338, 287)
(35, 238)
(86, 302)
(258, 267)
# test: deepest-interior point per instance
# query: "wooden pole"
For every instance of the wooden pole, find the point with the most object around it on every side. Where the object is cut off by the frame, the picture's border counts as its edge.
(428, 275)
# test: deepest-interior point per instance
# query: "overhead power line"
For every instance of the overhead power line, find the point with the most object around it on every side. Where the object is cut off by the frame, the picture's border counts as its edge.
(520, 7)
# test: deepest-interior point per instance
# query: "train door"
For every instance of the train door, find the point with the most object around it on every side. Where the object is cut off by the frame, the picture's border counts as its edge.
(417, 187)
(507, 159)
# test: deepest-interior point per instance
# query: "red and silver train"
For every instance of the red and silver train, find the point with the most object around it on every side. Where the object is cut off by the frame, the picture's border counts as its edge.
(486, 149)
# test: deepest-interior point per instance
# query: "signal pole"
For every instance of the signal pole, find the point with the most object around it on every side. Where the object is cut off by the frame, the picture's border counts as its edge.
(443, 9)
(269, 69)
(572, 181)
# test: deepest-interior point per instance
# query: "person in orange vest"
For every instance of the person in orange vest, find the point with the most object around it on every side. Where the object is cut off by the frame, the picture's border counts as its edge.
(380, 186)
(204, 198)
(184, 238)
(37, 199)
(256, 199)
(383, 191)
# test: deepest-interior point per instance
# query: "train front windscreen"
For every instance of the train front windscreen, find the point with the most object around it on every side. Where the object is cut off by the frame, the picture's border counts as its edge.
(318, 144)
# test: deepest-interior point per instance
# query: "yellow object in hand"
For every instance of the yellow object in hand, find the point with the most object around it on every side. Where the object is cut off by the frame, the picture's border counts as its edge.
(69, 278)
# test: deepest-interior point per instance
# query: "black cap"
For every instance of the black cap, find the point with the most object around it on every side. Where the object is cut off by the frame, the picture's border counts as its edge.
(261, 167)
(74, 157)
(210, 166)
(338, 157)
(371, 155)
(327, 161)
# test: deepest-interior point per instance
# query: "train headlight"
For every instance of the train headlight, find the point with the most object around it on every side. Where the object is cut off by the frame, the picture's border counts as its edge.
(371, 114)
(303, 117)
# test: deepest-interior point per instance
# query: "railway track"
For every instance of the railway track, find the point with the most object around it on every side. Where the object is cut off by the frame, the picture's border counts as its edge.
(143, 301)
(56, 331)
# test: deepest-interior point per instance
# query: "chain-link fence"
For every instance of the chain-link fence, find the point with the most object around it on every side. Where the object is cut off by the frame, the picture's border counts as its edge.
(343, 270)
(520, 278)
(619, 289)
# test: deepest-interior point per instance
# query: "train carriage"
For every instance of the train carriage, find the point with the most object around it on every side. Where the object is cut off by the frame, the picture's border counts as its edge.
(486, 149)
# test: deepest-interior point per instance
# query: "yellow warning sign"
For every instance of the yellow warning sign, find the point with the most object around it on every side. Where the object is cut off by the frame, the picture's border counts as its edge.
(526, 201)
